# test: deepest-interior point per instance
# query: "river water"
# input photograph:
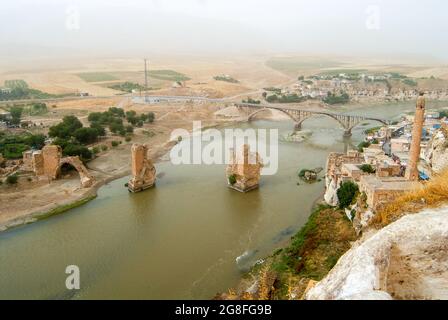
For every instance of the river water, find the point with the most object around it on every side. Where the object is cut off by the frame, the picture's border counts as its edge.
(179, 240)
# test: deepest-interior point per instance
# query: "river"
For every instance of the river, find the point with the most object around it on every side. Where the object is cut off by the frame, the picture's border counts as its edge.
(179, 240)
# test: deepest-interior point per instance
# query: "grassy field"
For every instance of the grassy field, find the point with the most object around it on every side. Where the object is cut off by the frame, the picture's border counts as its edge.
(294, 65)
(97, 76)
(14, 84)
(168, 75)
(347, 71)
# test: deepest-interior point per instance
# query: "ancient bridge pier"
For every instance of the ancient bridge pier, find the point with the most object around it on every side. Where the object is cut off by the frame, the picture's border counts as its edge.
(346, 121)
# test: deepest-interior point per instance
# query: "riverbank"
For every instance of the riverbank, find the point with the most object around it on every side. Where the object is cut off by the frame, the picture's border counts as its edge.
(312, 253)
(65, 195)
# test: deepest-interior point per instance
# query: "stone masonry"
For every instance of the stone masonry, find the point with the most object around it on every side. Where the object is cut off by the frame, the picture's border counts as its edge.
(143, 170)
(412, 172)
(243, 171)
(47, 163)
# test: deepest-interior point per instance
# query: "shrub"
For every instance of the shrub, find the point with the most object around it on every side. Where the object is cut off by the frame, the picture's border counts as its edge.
(95, 150)
(114, 143)
(362, 145)
(232, 179)
(367, 168)
(129, 129)
(12, 179)
(128, 138)
(103, 147)
(77, 150)
(347, 194)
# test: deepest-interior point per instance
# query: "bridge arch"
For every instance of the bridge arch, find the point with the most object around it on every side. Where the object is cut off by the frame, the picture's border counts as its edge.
(349, 130)
(299, 123)
(253, 114)
(76, 163)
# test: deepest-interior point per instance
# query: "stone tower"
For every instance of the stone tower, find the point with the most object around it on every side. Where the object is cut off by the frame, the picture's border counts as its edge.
(412, 173)
(243, 171)
(143, 171)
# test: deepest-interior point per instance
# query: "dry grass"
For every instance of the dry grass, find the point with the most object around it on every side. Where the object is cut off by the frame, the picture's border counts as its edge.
(431, 194)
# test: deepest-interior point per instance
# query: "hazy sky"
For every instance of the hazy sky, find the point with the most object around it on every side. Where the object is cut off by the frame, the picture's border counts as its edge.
(350, 27)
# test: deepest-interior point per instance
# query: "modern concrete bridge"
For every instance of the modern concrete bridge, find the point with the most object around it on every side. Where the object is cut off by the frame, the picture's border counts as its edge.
(347, 121)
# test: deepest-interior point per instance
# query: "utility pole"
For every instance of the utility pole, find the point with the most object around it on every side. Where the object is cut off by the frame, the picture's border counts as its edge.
(146, 76)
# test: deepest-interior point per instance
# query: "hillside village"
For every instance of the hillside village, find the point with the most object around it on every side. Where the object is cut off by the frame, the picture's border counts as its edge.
(363, 87)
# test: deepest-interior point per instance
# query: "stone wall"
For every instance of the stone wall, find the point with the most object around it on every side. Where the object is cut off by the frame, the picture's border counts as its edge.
(143, 170)
(243, 171)
(47, 164)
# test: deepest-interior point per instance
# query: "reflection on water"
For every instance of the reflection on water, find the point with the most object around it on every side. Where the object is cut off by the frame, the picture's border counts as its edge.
(178, 240)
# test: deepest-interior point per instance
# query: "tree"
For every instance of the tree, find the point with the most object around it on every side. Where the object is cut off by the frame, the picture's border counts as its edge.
(16, 115)
(36, 141)
(151, 117)
(99, 129)
(77, 150)
(347, 193)
(116, 127)
(66, 128)
(86, 135)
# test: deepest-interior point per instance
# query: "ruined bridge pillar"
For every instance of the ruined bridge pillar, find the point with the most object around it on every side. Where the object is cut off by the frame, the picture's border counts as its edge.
(243, 171)
(143, 170)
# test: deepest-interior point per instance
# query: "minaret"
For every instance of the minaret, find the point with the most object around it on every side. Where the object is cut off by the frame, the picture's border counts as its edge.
(412, 173)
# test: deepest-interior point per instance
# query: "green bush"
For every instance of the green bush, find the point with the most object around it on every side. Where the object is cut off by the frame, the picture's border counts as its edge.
(347, 194)
(77, 150)
(232, 179)
(128, 138)
(12, 179)
(362, 145)
(14, 151)
(115, 143)
(367, 168)
(95, 150)
(103, 147)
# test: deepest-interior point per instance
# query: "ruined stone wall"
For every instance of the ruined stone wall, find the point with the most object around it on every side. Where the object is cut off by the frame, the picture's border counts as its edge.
(52, 158)
(245, 169)
(47, 164)
(27, 160)
(143, 170)
(38, 163)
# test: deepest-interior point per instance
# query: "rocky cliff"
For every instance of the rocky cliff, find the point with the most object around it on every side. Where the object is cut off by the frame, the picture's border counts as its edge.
(436, 155)
(406, 260)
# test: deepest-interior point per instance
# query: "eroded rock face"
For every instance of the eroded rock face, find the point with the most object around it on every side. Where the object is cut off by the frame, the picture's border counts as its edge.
(436, 154)
(143, 170)
(331, 190)
(243, 172)
(405, 260)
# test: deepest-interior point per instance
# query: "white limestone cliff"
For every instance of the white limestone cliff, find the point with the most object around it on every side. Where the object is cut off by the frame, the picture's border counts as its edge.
(405, 260)
(331, 189)
(436, 155)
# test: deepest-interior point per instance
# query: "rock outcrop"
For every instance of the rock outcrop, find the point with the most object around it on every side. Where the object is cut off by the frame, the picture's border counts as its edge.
(405, 260)
(143, 170)
(243, 171)
(436, 154)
